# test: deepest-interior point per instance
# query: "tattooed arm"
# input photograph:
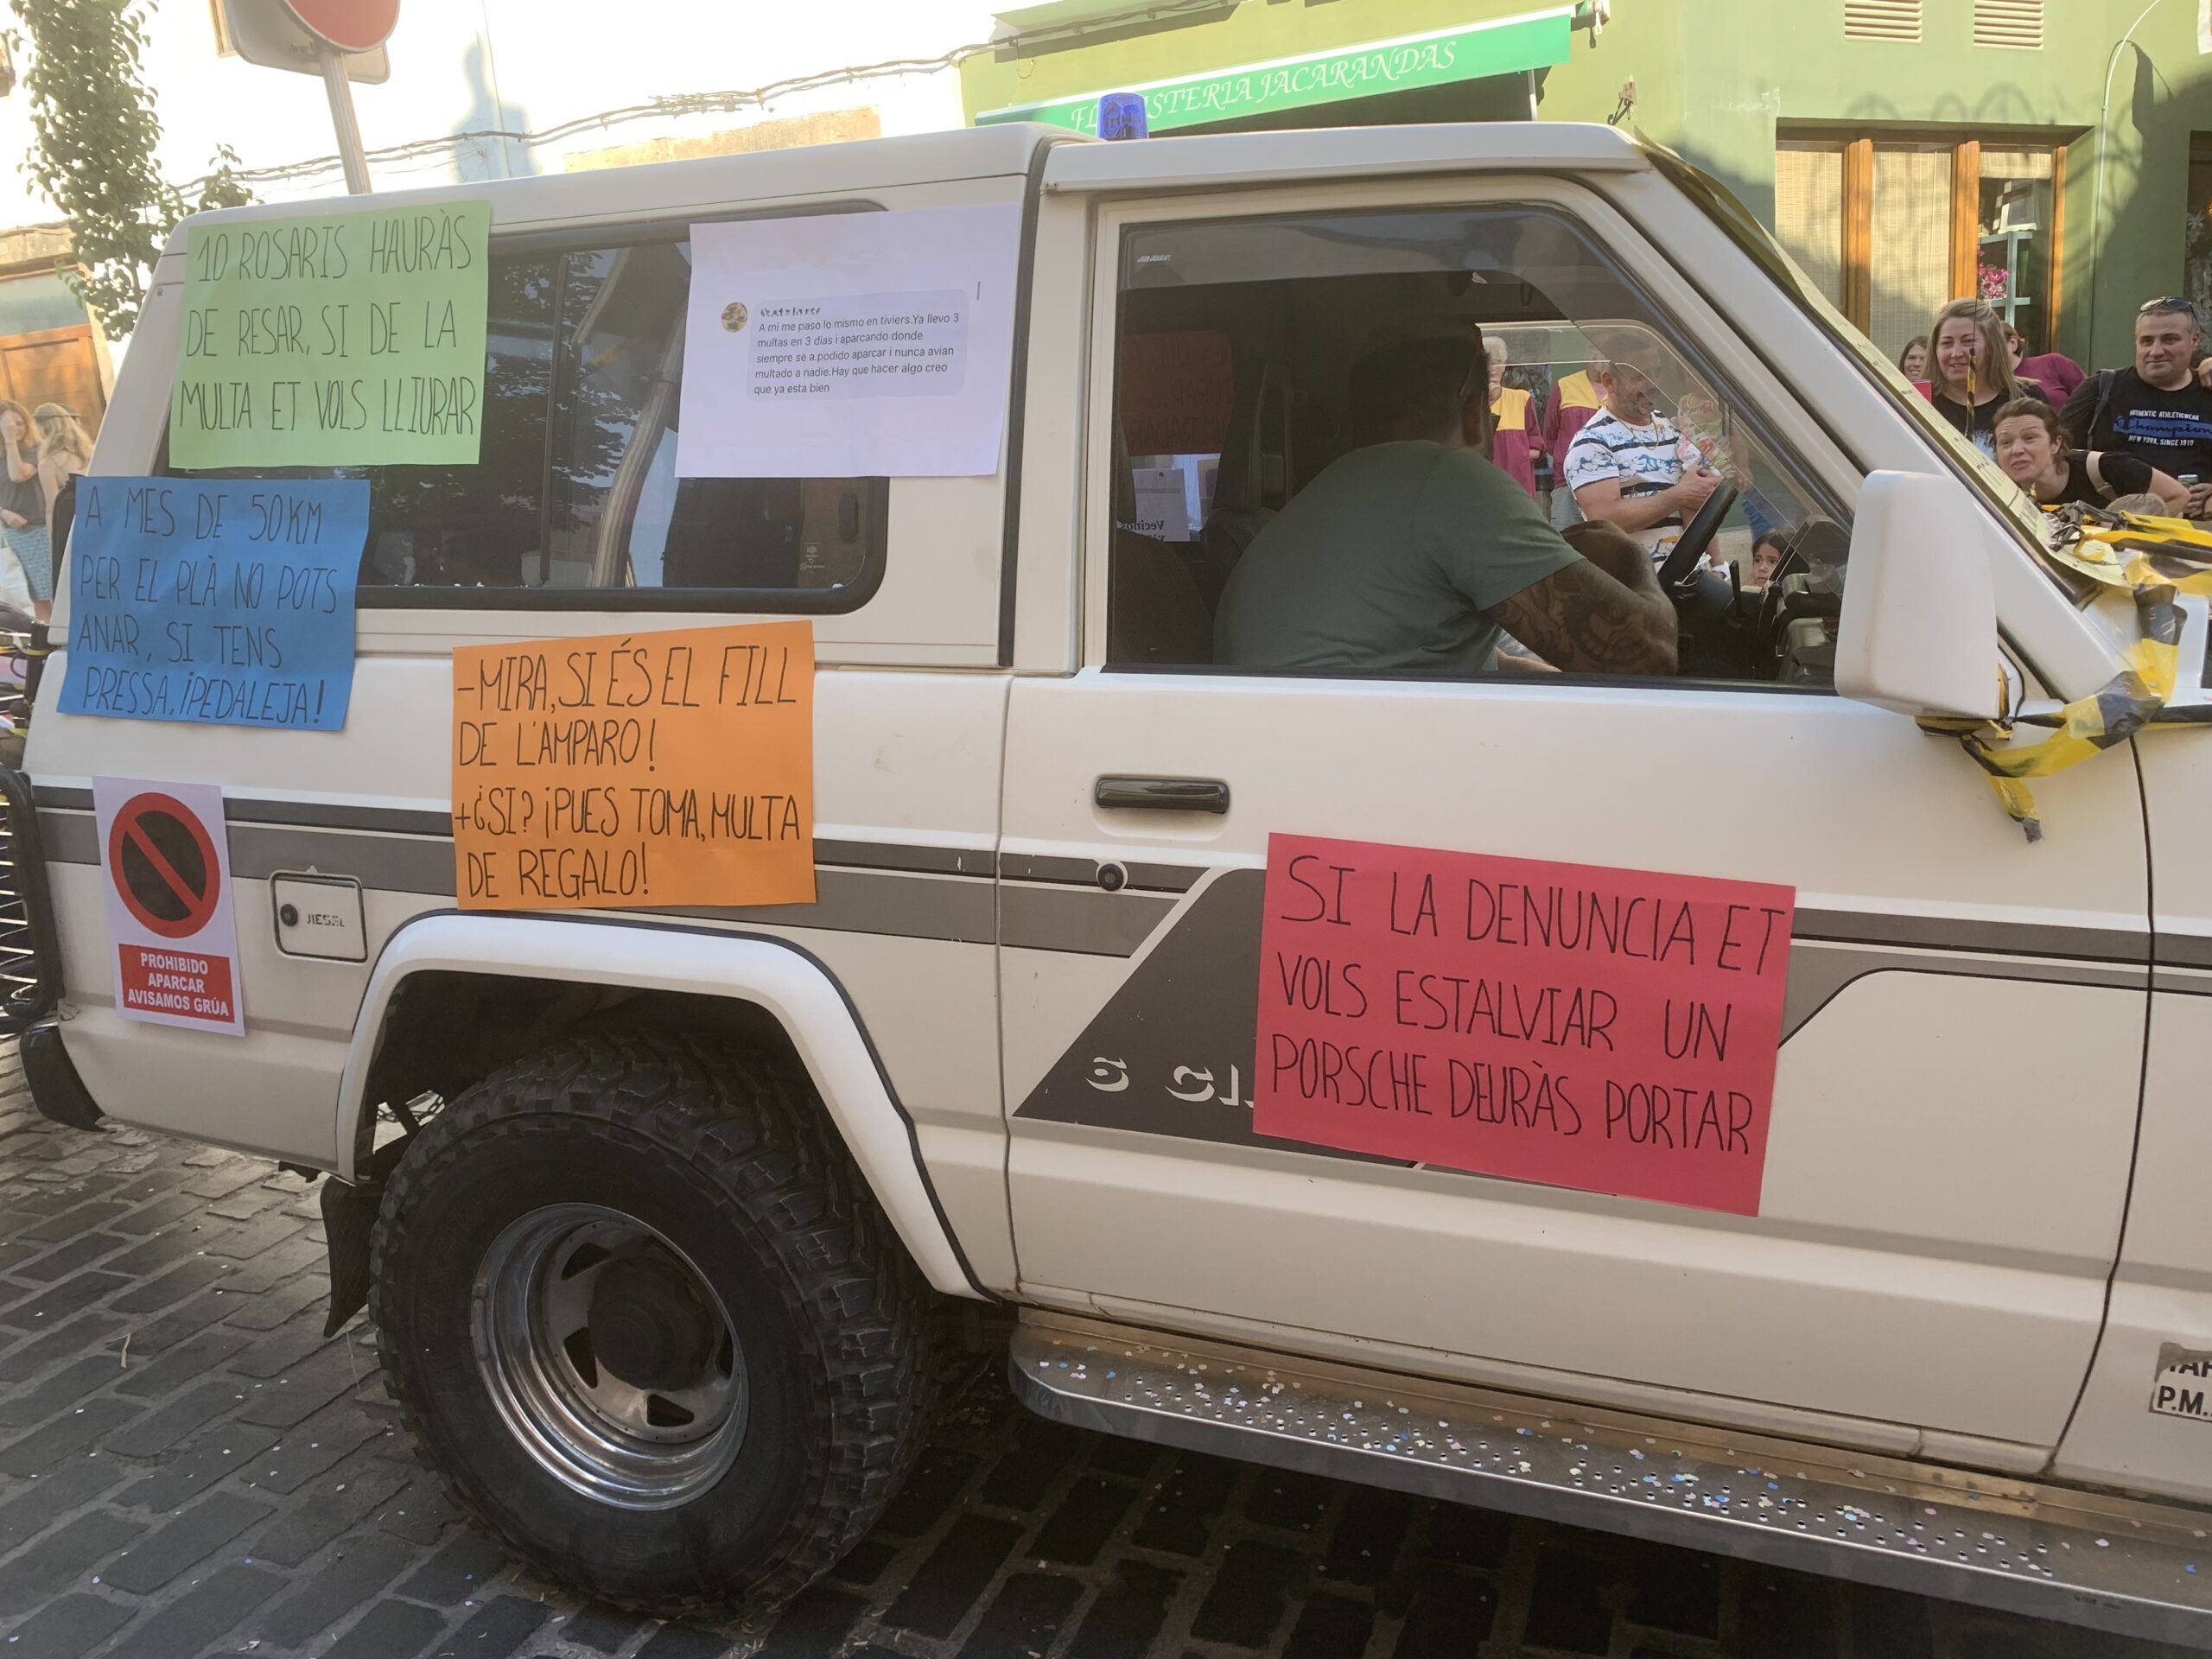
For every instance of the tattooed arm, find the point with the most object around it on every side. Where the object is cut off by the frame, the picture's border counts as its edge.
(1604, 614)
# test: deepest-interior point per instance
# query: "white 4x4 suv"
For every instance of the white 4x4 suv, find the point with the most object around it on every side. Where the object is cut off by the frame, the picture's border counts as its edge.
(655, 1207)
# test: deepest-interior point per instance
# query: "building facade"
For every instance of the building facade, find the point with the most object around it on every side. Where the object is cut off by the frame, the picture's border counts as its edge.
(2053, 155)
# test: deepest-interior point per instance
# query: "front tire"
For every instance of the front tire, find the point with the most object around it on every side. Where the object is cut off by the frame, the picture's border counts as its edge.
(642, 1314)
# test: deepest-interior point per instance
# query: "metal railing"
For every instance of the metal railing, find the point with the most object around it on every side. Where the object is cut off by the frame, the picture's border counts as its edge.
(30, 947)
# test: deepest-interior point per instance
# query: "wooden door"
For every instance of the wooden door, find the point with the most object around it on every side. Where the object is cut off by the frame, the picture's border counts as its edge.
(54, 366)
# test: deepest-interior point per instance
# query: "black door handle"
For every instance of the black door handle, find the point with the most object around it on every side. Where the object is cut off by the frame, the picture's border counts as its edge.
(1163, 794)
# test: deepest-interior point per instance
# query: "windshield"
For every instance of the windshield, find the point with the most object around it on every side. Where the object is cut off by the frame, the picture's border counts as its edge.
(1720, 206)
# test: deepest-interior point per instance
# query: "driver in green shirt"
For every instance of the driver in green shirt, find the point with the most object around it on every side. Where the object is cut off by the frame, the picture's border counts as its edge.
(1411, 553)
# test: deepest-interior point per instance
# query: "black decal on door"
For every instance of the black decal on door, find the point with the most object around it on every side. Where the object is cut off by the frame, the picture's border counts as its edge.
(1171, 1053)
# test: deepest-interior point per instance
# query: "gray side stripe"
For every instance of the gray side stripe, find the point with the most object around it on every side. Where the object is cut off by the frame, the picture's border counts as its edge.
(412, 852)
(1818, 970)
(874, 901)
(318, 814)
(397, 863)
(70, 838)
(899, 902)
(1071, 919)
(315, 814)
(398, 821)
(1957, 933)
(889, 855)
(1042, 867)
(2185, 950)
(860, 855)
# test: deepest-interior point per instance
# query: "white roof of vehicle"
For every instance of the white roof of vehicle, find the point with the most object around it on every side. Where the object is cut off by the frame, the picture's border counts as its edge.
(1342, 152)
(652, 190)
(862, 167)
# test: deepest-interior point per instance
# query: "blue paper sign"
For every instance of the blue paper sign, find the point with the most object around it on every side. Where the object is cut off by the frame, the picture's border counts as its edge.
(214, 601)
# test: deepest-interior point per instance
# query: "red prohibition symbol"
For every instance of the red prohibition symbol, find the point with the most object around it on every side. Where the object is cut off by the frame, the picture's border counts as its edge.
(349, 25)
(163, 864)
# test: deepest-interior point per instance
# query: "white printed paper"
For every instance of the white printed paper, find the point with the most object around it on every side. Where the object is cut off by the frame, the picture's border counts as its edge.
(850, 345)
(1163, 504)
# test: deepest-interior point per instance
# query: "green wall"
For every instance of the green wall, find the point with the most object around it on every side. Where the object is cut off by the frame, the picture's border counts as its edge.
(1714, 77)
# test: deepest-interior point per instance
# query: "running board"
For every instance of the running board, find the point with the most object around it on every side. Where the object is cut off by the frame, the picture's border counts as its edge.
(2049, 1552)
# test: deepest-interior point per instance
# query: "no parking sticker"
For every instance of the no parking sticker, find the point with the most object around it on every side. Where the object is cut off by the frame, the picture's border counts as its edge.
(168, 903)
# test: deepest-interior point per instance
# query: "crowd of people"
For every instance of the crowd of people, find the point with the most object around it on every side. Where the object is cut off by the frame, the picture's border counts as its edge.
(2063, 434)
(2139, 435)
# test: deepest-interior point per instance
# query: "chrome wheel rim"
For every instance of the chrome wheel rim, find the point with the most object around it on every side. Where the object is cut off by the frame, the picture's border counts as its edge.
(609, 1356)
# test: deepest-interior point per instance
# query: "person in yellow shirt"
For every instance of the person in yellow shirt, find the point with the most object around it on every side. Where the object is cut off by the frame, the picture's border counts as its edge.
(1514, 442)
(1572, 402)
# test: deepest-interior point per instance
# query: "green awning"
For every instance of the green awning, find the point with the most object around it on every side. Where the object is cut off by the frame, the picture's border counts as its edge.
(1507, 46)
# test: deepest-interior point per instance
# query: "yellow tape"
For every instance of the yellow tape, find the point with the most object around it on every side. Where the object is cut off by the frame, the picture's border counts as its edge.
(2154, 559)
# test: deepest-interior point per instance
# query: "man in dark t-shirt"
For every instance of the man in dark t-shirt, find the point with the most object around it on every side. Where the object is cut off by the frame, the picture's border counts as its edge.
(2157, 410)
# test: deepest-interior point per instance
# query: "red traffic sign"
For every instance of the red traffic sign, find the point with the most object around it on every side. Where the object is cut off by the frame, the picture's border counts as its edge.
(163, 864)
(349, 25)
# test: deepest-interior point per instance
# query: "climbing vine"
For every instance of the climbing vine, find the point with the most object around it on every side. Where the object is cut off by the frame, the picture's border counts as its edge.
(94, 153)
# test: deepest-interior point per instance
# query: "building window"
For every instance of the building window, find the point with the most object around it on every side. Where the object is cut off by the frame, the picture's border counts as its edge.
(1910, 221)
(1891, 228)
(2014, 249)
(1808, 212)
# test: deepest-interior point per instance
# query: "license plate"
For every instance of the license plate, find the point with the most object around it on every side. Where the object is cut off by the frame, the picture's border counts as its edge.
(2184, 1389)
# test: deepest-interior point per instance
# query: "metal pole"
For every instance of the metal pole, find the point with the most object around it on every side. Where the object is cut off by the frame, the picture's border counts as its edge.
(341, 117)
(2104, 144)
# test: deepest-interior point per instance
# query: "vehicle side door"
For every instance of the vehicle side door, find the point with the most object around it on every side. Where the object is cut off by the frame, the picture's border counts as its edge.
(1939, 1188)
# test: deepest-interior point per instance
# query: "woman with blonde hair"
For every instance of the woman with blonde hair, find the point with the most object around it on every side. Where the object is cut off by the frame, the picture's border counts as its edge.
(64, 450)
(22, 503)
(1970, 371)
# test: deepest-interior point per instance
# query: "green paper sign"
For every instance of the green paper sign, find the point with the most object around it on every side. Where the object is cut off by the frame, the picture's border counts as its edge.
(333, 339)
(1507, 45)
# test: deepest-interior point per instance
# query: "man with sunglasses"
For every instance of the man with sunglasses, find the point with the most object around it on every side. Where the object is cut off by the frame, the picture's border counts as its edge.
(1412, 555)
(2159, 410)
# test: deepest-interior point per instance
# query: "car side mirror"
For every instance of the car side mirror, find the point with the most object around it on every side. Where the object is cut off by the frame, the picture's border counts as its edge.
(1918, 632)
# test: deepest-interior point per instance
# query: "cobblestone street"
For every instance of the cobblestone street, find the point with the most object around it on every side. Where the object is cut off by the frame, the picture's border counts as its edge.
(187, 1466)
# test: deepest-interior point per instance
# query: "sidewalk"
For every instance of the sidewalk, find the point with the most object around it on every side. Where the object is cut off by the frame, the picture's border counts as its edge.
(188, 1467)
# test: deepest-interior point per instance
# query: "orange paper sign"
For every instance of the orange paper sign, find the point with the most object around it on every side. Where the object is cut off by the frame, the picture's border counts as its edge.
(635, 769)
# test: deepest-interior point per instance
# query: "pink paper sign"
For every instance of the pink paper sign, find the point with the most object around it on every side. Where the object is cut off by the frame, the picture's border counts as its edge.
(1606, 1029)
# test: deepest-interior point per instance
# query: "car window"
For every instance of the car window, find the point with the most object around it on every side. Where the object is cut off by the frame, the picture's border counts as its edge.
(1237, 345)
(575, 498)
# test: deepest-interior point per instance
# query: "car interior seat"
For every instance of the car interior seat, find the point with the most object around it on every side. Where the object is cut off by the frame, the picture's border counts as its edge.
(1154, 612)
(1256, 476)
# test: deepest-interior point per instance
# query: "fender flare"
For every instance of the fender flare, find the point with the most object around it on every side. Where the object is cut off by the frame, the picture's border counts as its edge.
(787, 981)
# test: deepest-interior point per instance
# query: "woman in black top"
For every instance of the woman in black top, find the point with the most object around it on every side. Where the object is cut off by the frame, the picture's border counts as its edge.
(2033, 457)
(1970, 371)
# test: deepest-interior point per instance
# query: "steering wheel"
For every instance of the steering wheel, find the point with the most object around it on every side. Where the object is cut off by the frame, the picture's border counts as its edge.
(1696, 536)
